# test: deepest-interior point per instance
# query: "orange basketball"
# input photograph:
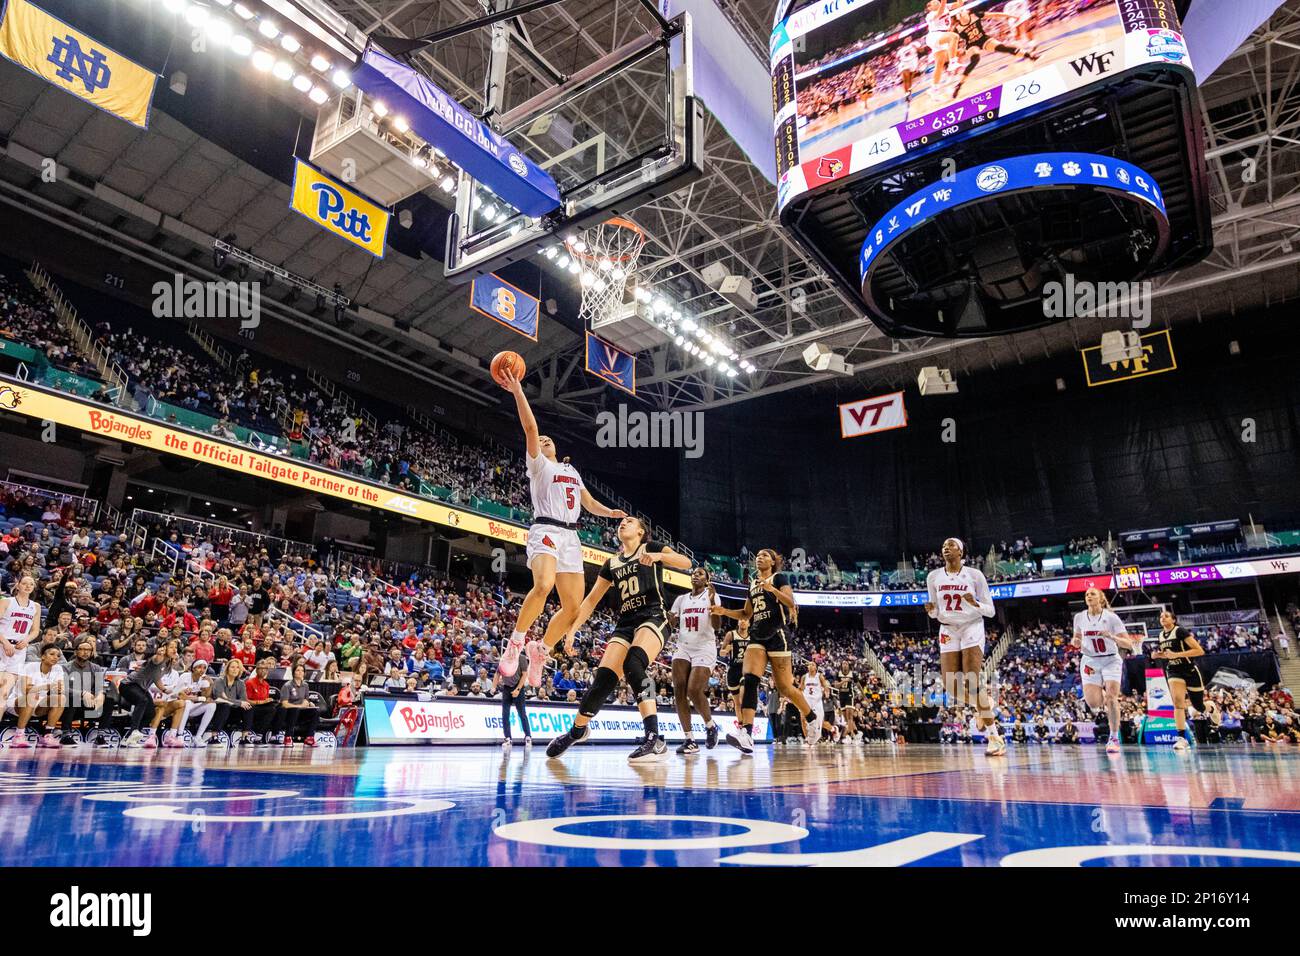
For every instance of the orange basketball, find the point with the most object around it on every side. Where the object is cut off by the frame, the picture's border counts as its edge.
(508, 360)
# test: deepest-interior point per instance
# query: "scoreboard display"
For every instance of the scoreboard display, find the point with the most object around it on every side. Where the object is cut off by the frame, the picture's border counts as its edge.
(865, 84)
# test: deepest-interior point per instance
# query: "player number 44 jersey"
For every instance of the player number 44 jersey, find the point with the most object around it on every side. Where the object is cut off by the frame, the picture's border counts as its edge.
(694, 622)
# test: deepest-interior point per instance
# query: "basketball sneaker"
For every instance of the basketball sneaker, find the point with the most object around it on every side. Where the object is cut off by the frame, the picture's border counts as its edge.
(563, 742)
(711, 735)
(814, 733)
(1181, 744)
(1112, 746)
(689, 749)
(997, 746)
(173, 741)
(150, 742)
(505, 745)
(653, 749)
(49, 740)
(509, 662)
(20, 741)
(536, 662)
(741, 741)
(134, 739)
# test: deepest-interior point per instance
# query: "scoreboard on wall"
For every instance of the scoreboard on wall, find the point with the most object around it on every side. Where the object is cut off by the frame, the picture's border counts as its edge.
(855, 87)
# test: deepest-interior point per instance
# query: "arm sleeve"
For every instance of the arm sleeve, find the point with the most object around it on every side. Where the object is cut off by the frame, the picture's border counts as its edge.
(605, 572)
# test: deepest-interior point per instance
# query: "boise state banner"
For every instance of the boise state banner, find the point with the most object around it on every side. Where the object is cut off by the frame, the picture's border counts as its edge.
(76, 63)
(612, 364)
(502, 302)
(342, 211)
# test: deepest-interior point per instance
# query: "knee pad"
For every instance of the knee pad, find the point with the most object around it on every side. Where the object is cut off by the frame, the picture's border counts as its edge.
(603, 683)
(749, 697)
(634, 672)
(1197, 699)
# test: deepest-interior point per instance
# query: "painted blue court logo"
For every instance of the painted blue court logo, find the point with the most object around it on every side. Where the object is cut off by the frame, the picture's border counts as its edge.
(992, 178)
(1167, 45)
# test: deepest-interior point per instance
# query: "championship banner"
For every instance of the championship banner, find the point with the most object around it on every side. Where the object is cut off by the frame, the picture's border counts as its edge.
(1157, 356)
(76, 63)
(476, 721)
(1158, 726)
(342, 211)
(869, 415)
(42, 405)
(612, 364)
(502, 302)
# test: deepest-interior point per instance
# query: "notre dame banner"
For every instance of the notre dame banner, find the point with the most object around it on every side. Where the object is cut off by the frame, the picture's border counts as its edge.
(77, 63)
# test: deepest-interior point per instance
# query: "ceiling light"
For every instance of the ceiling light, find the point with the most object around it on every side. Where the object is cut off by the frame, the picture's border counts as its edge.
(490, 212)
(550, 252)
(263, 61)
(290, 44)
(709, 360)
(618, 274)
(219, 30)
(241, 45)
(574, 267)
(196, 16)
(302, 83)
(268, 29)
(224, 3)
(688, 324)
(731, 372)
(606, 265)
(679, 340)
(319, 96)
(579, 246)
(342, 79)
(449, 184)
(243, 12)
(282, 70)
(401, 125)
(173, 6)
(563, 262)
(320, 64)
(588, 278)
(380, 109)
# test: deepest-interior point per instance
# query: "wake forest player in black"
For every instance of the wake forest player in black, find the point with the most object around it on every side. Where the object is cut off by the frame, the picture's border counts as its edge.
(769, 608)
(636, 570)
(969, 27)
(1177, 652)
(734, 643)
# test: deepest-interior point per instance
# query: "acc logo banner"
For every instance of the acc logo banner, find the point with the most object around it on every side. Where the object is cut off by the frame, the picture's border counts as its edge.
(338, 209)
(76, 63)
(612, 364)
(504, 303)
(880, 414)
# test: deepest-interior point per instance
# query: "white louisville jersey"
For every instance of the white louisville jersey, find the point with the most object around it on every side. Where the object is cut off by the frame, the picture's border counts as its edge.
(1095, 632)
(694, 620)
(909, 57)
(1019, 9)
(812, 689)
(959, 622)
(19, 622)
(556, 489)
(938, 22)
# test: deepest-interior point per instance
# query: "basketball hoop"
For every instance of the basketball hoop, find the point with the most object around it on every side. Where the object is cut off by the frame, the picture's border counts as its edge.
(608, 253)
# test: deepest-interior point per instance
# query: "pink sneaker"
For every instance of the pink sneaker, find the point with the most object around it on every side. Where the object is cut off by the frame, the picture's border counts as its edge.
(509, 662)
(536, 662)
(174, 741)
(48, 741)
(19, 742)
(150, 742)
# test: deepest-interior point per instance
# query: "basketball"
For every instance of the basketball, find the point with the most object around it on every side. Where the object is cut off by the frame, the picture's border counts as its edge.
(508, 360)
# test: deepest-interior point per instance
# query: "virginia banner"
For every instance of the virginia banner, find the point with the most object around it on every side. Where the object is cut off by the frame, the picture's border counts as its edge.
(612, 364)
(342, 211)
(502, 302)
(76, 63)
(43, 405)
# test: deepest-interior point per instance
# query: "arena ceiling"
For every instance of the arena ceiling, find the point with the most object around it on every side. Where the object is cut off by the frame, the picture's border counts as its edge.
(1252, 114)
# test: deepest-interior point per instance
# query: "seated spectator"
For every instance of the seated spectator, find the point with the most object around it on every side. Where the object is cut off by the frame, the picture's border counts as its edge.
(297, 712)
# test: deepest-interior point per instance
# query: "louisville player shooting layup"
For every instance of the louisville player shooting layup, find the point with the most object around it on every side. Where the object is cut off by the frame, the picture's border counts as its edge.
(959, 601)
(1099, 634)
(553, 550)
(638, 637)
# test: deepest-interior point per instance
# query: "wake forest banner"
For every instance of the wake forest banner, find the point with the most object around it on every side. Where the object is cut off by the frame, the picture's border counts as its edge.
(44, 405)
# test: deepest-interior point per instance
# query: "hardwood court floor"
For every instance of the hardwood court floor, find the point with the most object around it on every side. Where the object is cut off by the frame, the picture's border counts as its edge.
(850, 805)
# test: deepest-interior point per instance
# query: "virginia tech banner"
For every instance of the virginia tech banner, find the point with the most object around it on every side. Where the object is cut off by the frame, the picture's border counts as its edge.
(76, 63)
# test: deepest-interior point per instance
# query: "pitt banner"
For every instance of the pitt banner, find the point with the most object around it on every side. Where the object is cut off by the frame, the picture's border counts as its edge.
(501, 302)
(343, 212)
(612, 364)
(45, 405)
(76, 63)
(1157, 357)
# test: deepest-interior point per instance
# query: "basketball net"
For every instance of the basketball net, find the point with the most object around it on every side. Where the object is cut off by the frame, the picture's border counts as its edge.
(609, 254)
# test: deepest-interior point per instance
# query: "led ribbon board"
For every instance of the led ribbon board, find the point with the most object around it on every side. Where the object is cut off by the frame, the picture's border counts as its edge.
(469, 143)
(1007, 177)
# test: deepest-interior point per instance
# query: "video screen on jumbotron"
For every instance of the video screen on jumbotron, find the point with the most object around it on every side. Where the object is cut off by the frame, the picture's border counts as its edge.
(875, 80)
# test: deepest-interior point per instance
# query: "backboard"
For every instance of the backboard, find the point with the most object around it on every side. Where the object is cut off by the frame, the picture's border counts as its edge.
(614, 135)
